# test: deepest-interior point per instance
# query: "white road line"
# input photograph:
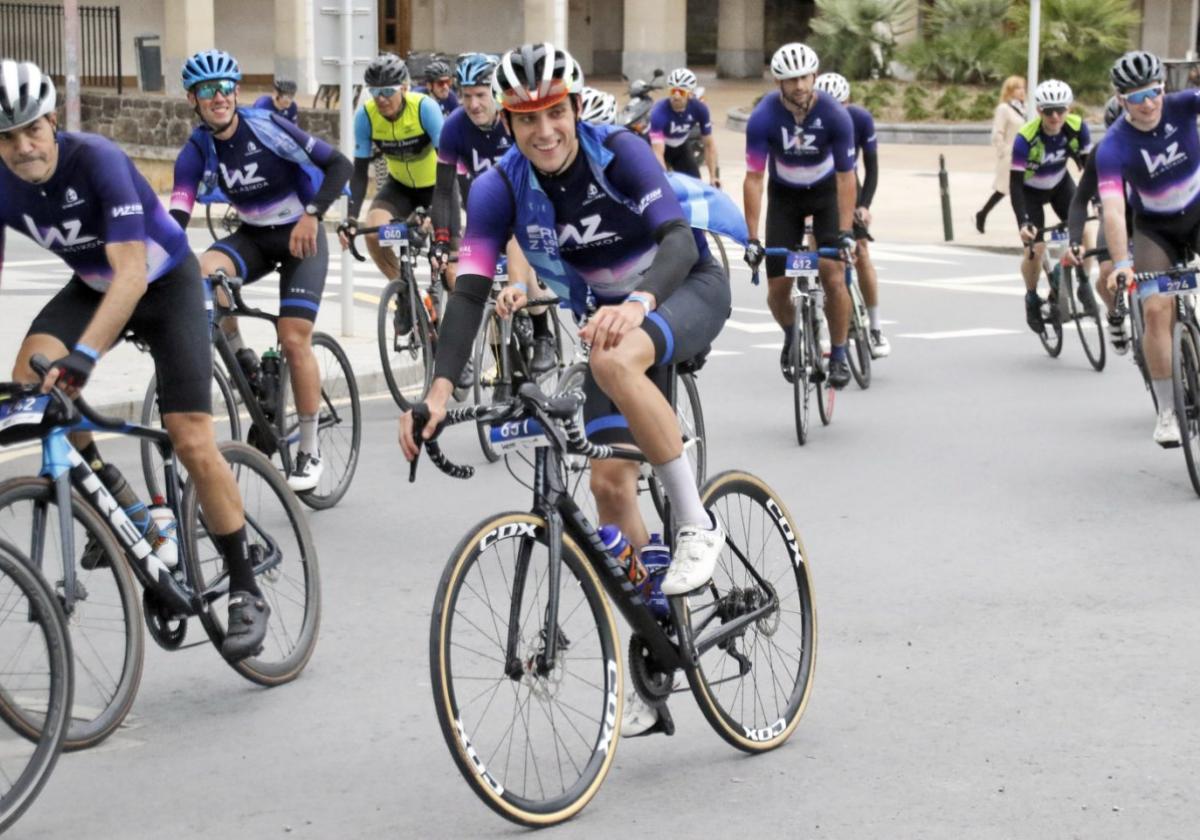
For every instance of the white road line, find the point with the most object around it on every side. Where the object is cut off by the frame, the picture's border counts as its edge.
(741, 326)
(724, 353)
(981, 332)
(953, 286)
(884, 255)
(18, 263)
(752, 311)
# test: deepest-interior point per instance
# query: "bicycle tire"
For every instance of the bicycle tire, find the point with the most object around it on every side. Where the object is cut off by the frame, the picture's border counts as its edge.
(577, 470)
(859, 355)
(1051, 332)
(1185, 377)
(802, 383)
(690, 414)
(338, 440)
(1084, 323)
(206, 567)
(151, 462)
(715, 238)
(486, 360)
(208, 220)
(110, 664)
(1137, 331)
(407, 360)
(826, 395)
(509, 543)
(739, 500)
(22, 778)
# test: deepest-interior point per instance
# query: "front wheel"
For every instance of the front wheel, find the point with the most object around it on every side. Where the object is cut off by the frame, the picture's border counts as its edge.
(802, 372)
(826, 395)
(533, 739)
(285, 567)
(754, 624)
(1051, 334)
(1185, 374)
(407, 355)
(492, 376)
(1091, 333)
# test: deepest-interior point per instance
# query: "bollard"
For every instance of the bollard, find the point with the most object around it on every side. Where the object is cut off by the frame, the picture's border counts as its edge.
(944, 186)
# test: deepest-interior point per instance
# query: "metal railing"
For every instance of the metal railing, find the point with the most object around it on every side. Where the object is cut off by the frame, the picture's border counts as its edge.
(34, 32)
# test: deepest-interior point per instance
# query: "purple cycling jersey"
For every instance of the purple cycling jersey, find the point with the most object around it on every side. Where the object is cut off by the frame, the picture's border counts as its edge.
(470, 149)
(263, 187)
(95, 197)
(448, 105)
(1162, 166)
(606, 242)
(864, 128)
(672, 127)
(267, 103)
(800, 155)
(1043, 158)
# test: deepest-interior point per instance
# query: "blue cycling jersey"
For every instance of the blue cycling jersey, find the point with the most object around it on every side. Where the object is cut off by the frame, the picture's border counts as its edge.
(472, 150)
(94, 198)
(864, 128)
(805, 154)
(1161, 167)
(448, 105)
(672, 127)
(267, 103)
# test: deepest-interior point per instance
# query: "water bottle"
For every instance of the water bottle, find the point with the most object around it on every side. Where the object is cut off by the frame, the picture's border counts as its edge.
(656, 557)
(167, 546)
(129, 502)
(619, 547)
(269, 377)
(247, 360)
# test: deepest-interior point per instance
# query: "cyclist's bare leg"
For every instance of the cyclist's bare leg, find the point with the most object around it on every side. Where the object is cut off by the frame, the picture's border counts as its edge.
(614, 486)
(1031, 265)
(52, 349)
(779, 300)
(210, 263)
(867, 276)
(385, 258)
(196, 446)
(837, 299)
(620, 373)
(1159, 311)
(295, 335)
(1109, 298)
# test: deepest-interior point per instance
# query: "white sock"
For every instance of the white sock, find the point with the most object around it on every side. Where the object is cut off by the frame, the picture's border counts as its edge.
(679, 482)
(1164, 391)
(308, 434)
(873, 316)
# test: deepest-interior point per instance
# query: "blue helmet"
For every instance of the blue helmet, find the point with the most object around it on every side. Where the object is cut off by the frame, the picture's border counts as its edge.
(475, 69)
(209, 66)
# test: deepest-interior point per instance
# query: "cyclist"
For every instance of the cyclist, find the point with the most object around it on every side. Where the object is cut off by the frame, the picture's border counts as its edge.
(439, 85)
(1039, 177)
(282, 101)
(671, 123)
(597, 107)
(1154, 154)
(836, 86)
(594, 212)
(1087, 194)
(473, 140)
(281, 181)
(406, 126)
(80, 197)
(806, 140)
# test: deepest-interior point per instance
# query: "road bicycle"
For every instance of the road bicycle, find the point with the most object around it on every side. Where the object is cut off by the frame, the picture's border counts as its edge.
(36, 673)
(73, 530)
(1062, 305)
(525, 660)
(266, 395)
(1129, 305)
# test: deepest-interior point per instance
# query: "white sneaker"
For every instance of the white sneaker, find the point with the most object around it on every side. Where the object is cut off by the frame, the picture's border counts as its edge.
(695, 558)
(638, 717)
(1166, 430)
(306, 474)
(880, 347)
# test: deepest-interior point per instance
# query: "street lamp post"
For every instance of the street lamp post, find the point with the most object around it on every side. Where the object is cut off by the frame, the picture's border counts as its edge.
(1035, 29)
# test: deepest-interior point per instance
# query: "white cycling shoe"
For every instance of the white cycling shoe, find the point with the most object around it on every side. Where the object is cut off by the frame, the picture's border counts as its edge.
(881, 348)
(306, 474)
(1166, 430)
(639, 716)
(694, 559)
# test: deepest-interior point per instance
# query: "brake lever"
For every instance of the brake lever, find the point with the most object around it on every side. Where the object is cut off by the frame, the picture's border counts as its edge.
(420, 416)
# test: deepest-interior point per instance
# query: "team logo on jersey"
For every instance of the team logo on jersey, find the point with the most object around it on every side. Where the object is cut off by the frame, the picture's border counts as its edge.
(68, 236)
(1168, 130)
(246, 176)
(251, 148)
(1171, 157)
(817, 123)
(72, 198)
(541, 239)
(480, 164)
(122, 210)
(589, 235)
(679, 128)
(593, 193)
(798, 141)
(1058, 156)
(648, 199)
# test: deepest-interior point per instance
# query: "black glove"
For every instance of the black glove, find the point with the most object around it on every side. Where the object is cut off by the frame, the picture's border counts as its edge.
(847, 244)
(74, 369)
(754, 254)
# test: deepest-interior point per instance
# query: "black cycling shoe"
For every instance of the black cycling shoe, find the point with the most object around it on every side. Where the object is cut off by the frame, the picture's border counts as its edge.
(467, 378)
(1087, 300)
(543, 355)
(839, 374)
(785, 365)
(1033, 314)
(402, 318)
(93, 556)
(248, 614)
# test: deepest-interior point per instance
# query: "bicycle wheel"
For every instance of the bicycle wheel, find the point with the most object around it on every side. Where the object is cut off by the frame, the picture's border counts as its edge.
(1091, 333)
(753, 686)
(280, 540)
(1051, 333)
(720, 255)
(695, 443)
(1137, 329)
(802, 383)
(407, 357)
(825, 392)
(1185, 374)
(339, 423)
(35, 674)
(859, 354)
(534, 747)
(227, 424)
(489, 372)
(105, 618)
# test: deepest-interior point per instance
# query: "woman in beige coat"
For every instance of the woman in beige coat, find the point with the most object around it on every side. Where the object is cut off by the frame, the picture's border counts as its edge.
(1007, 121)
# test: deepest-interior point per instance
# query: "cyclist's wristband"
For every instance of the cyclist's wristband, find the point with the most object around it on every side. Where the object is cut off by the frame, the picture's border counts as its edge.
(90, 352)
(1125, 263)
(643, 299)
(519, 285)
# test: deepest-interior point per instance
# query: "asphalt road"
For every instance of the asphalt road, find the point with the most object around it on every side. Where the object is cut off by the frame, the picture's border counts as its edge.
(1005, 576)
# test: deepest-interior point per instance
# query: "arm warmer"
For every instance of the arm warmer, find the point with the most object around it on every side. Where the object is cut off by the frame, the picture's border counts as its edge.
(464, 314)
(358, 185)
(673, 261)
(443, 193)
(1084, 193)
(1016, 194)
(180, 217)
(337, 171)
(871, 181)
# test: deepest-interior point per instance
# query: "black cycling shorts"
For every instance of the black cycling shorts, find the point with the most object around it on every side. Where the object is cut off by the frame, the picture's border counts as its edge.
(683, 328)
(258, 250)
(787, 210)
(400, 200)
(171, 318)
(1058, 198)
(680, 159)
(1162, 242)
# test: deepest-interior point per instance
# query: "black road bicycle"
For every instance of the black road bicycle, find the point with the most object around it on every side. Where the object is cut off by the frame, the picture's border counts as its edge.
(525, 660)
(77, 535)
(1062, 304)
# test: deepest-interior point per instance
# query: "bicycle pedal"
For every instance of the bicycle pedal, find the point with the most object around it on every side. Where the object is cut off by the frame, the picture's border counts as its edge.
(665, 723)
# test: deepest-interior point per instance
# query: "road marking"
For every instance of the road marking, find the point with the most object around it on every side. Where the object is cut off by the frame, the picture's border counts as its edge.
(752, 311)
(724, 353)
(886, 255)
(742, 326)
(975, 333)
(958, 286)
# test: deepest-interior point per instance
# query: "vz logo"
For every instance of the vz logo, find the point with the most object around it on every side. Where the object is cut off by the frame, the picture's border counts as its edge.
(246, 176)
(1164, 161)
(1059, 156)
(588, 236)
(797, 140)
(679, 128)
(66, 237)
(480, 164)
(122, 210)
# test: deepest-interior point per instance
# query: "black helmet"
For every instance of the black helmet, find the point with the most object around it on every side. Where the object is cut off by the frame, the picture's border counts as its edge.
(1112, 111)
(438, 69)
(285, 87)
(387, 70)
(1136, 69)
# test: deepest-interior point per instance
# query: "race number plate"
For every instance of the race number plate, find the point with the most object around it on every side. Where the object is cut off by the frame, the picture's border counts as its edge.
(1058, 235)
(393, 233)
(1179, 283)
(515, 434)
(23, 411)
(801, 264)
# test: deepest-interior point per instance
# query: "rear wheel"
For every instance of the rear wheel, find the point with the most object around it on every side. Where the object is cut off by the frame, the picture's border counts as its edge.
(1185, 373)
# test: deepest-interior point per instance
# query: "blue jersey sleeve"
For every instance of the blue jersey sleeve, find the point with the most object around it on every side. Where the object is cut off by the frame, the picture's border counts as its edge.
(265, 103)
(1085, 139)
(318, 151)
(431, 119)
(637, 175)
(864, 130)
(490, 216)
(1020, 154)
(841, 140)
(111, 175)
(659, 119)
(189, 169)
(362, 133)
(704, 117)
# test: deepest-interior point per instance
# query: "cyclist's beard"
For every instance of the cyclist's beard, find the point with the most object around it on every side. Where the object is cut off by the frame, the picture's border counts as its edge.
(801, 99)
(216, 129)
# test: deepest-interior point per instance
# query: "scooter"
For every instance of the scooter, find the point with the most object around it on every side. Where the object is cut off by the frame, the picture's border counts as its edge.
(636, 114)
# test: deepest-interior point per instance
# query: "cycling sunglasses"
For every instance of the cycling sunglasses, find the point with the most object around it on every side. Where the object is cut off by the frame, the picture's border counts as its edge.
(1140, 96)
(207, 90)
(1056, 111)
(680, 92)
(386, 92)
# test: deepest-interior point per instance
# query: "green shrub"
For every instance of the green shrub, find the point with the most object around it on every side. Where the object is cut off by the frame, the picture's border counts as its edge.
(884, 88)
(982, 106)
(914, 104)
(857, 38)
(960, 42)
(873, 98)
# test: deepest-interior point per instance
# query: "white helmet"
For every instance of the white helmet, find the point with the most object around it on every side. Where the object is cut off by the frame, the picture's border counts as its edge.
(1053, 94)
(682, 78)
(25, 94)
(835, 85)
(598, 107)
(791, 61)
(535, 76)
